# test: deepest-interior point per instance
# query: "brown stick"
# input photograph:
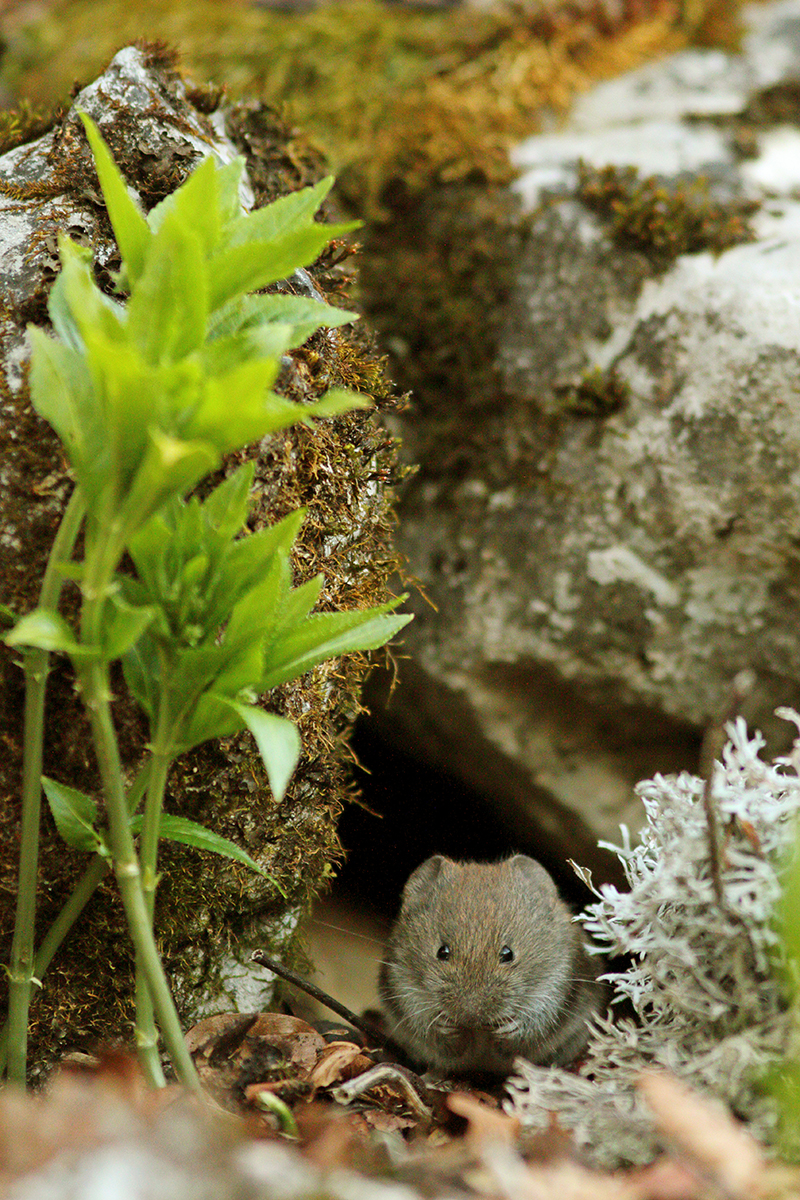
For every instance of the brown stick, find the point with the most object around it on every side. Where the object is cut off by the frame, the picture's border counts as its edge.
(369, 1030)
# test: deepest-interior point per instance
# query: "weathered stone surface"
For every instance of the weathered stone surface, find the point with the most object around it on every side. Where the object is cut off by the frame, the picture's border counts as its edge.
(593, 606)
(210, 912)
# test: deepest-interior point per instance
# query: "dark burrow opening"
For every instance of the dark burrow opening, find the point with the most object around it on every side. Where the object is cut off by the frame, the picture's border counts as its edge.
(411, 810)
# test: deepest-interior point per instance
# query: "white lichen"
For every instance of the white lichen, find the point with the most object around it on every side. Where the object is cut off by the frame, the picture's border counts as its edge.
(705, 977)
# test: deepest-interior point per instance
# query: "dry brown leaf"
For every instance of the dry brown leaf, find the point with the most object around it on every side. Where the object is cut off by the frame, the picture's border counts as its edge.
(81, 1110)
(299, 1042)
(704, 1131)
(547, 1145)
(387, 1122)
(339, 1060)
(254, 1090)
(485, 1124)
(218, 1035)
(328, 1135)
(234, 1050)
(750, 833)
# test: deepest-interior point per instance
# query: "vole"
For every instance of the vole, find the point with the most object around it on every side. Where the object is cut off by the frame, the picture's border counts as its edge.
(484, 963)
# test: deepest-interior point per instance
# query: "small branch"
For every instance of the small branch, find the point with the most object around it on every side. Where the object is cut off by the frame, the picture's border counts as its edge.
(146, 1032)
(409, 1085)
(363, 1026)
(102, 556)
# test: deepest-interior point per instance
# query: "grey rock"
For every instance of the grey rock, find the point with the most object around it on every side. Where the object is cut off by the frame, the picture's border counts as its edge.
(592, 613)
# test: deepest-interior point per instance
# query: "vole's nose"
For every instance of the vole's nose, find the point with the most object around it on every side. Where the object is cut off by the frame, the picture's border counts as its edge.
(475, 1009)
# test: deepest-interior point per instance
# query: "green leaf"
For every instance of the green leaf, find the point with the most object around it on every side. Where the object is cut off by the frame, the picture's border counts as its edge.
(256, 413)
(252, 582)
(75, 815)
(194, 206)
(257, 612)
(171, 467)
(61, 393)
(45, 630)
(130, 228)
(136, 397)
(212, 717)
(7, 616)
(336, 401)
(168, 308)
(227, 507)
(285, 215)
(244, 268)
(225, 354)
(147, 547)
(229, 184)
(75, 571)
(249, 558)
(77, 305)
(190, 833)
(303, 314)
(140, 668)
(327, 635)
(278, 744)
(295, 607)
(124, 626)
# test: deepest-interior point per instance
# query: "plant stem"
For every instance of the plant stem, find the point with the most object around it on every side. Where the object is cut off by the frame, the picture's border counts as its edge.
(37, 665)
(146, 1034)
(126, 868)
(78, 899)
(103, 553)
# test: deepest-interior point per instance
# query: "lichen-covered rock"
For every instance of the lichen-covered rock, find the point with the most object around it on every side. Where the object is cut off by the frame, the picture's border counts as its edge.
(618, 537)
(210, 913)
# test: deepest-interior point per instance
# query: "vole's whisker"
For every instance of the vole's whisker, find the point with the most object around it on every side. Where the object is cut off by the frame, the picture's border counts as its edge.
(351, 933)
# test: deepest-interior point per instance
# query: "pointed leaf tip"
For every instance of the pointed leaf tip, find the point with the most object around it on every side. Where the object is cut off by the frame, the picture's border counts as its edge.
(130, 228)
(278, 743)
(75, 814)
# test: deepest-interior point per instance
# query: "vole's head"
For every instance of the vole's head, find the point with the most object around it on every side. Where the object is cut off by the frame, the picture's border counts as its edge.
(481, 946)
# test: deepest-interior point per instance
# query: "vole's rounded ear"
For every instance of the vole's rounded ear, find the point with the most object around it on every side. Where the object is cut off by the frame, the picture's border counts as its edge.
(421, 881)
(534, 873)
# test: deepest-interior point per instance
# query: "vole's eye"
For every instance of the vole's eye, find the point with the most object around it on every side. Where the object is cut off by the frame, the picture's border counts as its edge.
(506, 954)
(443, 952)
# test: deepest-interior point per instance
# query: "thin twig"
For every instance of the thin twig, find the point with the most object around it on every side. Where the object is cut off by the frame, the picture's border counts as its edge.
(360, 1023)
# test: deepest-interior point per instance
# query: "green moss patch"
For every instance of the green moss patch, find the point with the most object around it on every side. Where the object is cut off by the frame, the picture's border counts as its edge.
(664, 219)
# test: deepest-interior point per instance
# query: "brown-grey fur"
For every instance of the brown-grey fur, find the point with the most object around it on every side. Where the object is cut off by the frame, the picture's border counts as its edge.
(474, 1011)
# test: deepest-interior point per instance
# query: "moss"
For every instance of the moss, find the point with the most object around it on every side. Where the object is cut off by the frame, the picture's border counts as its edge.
(331, 469)
(664, 219)
(443, 312)
(778, 104)
(26, 123)
(391, 92)
(416, 110)
(598, 394)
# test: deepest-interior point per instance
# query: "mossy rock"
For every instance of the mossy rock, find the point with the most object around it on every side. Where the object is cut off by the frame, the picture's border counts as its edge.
(210, 912)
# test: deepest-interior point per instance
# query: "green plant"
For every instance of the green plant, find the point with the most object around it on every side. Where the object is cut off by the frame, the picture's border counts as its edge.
(784, 1079)
(139, 391)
